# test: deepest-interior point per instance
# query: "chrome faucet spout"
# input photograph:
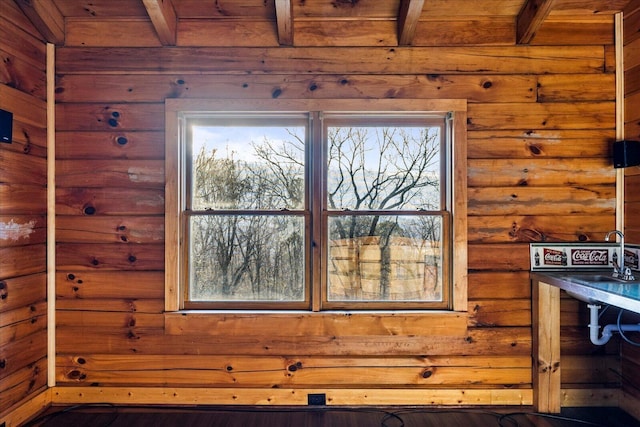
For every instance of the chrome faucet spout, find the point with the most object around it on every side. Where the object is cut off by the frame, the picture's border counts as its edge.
(618, 267)
(618, 232)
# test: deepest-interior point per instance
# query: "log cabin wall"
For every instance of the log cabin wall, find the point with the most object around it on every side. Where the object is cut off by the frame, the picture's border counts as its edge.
(632, 116)
(541, 119)
(23, 212)
(630, 355)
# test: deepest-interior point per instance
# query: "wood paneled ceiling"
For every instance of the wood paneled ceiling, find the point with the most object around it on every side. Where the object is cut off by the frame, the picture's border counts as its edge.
(321, 23)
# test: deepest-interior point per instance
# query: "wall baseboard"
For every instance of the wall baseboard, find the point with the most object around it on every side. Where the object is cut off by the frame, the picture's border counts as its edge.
(270, 396)
(22, 412)
(630, 404)
(337, 397)
(595, 397)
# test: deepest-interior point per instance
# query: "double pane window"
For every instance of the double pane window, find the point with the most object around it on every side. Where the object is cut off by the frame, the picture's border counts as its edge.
(317, 211)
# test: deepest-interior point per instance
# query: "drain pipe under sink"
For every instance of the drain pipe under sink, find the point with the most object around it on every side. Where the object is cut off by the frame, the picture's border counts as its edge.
(607, 332)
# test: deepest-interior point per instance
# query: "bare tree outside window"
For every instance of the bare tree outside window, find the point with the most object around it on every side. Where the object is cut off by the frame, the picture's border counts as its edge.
(383, 204)
(381, 257)
(241, 249)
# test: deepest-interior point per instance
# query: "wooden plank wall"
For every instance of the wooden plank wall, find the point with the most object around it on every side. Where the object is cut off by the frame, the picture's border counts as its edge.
(541, 120)
(630, 368)
(23, 212)
(632, 116)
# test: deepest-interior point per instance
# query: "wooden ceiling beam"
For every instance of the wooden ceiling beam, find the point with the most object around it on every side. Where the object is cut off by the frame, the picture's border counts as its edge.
(164, 20)
(531, 18)
(408, 17)
(46, 17)
(284, 21)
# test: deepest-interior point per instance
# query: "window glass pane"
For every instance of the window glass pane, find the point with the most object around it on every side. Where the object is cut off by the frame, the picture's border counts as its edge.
(385, 258)
(247, 258)
(247, 167)
(383, 168)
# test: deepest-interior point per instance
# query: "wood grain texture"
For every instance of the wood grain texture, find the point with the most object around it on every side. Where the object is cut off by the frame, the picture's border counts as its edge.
(108, 201)
(527, 200)
(554, 144)
(506, 341)
(21, 74)
(46, 17)
(414, 60)
(83, 256)
(514, 160)
(23, 383)
(630, 369)
(28, 139)
(110, 117)
(256, 32)
(540, 122)
(21, 293)
(97, 286)
(300, 325)
(539, 228)
(478, 30)
(157, 87)
(164, 19)
(110, 145)
(540, 172)
(23, 169)
(22, 260)
(560, 30)
(546, 357)
(23, 351)
(284, 20)
(499, 285)
(575, 115)
(112, 173)
(234, 371)
(137, 32)
(110, 229)
(531, 17)
(280, 396)
(20, 39)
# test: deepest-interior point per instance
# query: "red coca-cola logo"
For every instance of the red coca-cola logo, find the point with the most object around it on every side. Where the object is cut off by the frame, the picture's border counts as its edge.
(590, 257)
(552, 257)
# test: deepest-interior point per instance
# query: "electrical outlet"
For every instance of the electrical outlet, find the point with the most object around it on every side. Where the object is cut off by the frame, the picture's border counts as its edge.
(316, 399)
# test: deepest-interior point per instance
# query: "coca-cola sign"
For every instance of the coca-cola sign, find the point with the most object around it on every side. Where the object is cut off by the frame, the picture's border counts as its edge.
(590, 257)
(554, 257)
(631, 259)
(594, 256)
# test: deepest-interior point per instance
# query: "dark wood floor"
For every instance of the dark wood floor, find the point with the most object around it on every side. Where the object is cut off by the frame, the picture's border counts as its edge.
(108, 416)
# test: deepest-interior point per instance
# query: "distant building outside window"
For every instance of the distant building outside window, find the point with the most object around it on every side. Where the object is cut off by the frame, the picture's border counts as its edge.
(315, 210)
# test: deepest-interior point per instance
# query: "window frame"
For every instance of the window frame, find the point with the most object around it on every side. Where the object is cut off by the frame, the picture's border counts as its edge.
(175, 190)
(188, 212)
(368, 119)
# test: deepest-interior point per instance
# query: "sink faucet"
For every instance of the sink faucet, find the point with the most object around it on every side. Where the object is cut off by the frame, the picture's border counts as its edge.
(619, 269)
